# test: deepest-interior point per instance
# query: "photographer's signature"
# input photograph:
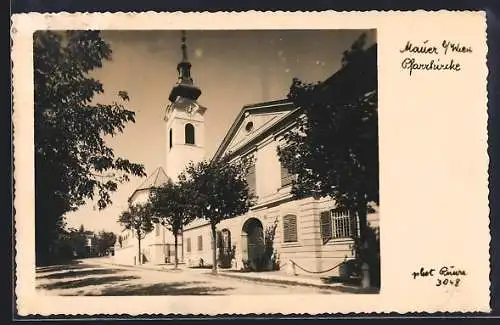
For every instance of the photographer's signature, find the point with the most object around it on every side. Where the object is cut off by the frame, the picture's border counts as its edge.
(445, 275)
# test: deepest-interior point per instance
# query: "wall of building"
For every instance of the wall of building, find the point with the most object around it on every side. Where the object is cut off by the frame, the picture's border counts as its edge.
(309, 254)
(155, 246)
(180, 154)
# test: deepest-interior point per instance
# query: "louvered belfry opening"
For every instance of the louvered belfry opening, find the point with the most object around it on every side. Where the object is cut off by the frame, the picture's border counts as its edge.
(189, 133)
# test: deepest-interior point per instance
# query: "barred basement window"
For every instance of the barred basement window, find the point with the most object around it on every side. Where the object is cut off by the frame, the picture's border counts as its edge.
(326, 226)
(342, 224)
(289, 228)
(336, 225)
(188, 245)
(200, 243)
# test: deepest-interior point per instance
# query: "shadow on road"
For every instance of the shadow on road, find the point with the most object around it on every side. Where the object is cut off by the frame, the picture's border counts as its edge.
(74, 273)
(86, 282)
(167, 289)
(359, 290)
(62, 267)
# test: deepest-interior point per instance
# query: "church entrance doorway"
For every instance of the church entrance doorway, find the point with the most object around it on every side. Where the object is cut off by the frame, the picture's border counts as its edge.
(252, 241)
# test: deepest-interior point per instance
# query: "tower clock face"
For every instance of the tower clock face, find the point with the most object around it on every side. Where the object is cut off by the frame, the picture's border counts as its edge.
(191, 108)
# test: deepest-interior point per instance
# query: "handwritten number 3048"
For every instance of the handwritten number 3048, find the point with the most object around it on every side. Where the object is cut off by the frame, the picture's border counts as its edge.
(447, 282)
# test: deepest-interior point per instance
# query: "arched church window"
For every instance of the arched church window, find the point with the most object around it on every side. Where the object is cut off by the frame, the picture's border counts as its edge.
(170, 140)
(189, 133)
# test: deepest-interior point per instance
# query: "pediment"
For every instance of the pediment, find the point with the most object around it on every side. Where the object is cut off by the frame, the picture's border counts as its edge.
(252, 122)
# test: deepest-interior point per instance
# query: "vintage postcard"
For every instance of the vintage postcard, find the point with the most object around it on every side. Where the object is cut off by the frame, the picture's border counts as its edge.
(264, 163)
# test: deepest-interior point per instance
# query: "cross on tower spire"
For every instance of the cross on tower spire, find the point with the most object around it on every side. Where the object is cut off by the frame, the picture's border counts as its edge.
(184, 47)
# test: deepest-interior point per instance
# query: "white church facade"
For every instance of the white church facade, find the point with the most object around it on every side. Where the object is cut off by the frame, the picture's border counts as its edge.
(309, 237)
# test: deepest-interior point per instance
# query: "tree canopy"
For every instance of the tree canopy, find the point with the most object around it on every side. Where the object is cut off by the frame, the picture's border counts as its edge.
(171, 206)
(138, 218)
(334, 148)
(219, 191)
(72, 161)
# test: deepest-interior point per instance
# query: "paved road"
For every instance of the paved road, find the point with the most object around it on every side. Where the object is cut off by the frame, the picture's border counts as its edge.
(95, 277)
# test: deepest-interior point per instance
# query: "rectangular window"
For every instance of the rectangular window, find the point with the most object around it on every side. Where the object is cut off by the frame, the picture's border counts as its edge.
(342, 224)
(188, 245)
(336, 225)
(289, 228)
(286, 176)
(251, 179)
(326, 226)
(200, 243)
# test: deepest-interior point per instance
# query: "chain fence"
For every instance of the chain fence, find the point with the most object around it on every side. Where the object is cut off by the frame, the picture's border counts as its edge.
(308, 271)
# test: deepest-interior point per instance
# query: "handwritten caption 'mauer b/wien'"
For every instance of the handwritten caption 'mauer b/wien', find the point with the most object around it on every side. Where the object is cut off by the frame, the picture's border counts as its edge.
(445, 49)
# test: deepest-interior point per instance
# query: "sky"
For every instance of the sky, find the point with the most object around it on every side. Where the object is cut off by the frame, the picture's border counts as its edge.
(232, 69)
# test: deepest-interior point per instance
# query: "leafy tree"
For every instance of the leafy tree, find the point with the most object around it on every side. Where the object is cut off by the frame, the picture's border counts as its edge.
(219, 191)
(72, 162)
(138, 218)
(105, 240)
(333, 151)
(171, 206)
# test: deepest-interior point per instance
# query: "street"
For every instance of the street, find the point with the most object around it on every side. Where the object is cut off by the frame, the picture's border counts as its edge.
(96, 277)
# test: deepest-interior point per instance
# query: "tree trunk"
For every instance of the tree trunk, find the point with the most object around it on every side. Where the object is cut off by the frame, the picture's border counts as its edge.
(182, 242)
(362, 250)
(139, 244)
(214, 250)
(176, 263)
(363, 224)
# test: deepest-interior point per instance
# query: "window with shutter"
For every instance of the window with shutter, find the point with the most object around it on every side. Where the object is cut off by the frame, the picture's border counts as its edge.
(200, 243)
(289, 228)
(251, 179)
(188, 245)
(226, 240)
(286, 177)
(326, 226)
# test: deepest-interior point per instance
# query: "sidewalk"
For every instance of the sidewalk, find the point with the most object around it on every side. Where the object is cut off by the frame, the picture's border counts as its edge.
(282, 278)
(264, 277)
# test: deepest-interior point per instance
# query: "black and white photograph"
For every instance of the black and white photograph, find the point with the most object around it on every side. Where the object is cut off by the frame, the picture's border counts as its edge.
(220, 162)
(253, 163)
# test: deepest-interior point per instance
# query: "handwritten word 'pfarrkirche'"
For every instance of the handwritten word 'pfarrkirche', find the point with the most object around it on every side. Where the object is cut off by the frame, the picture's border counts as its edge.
(411, 64)
(429, 56)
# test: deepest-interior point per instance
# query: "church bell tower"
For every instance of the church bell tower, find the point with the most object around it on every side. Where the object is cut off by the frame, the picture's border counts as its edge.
(184, 117)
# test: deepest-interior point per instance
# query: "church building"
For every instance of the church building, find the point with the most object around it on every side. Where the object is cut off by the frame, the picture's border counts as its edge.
(308, 237)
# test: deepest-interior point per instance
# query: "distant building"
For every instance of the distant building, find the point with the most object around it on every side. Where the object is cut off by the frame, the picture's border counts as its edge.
(157, 247)
(90, 245)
